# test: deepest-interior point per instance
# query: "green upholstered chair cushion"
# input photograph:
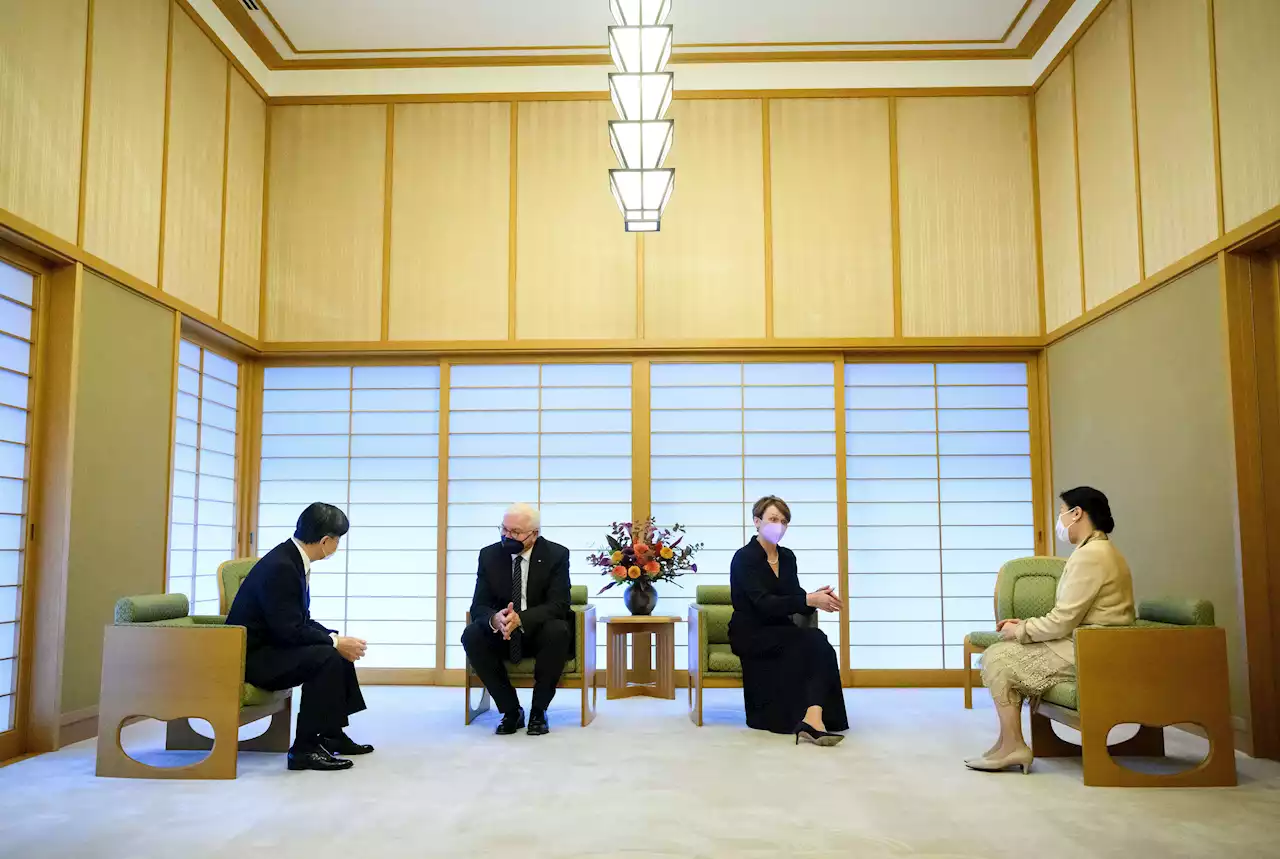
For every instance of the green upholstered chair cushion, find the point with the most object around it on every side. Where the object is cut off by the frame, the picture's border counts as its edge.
(721, 660)
(712, 595)
(525, 667)
(151, 607)
(1064, 695)
(578, 595)
(252, 696)
(1177, 612)
(230, 575)
(716, 618)
(986, 638)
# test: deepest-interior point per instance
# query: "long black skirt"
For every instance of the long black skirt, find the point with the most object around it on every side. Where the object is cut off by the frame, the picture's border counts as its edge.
(787, 669)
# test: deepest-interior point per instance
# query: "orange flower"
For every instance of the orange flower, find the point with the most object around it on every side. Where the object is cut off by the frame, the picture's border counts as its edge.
(642, 549)
(666, 553)
(619, 572)
(651, 567)
(634, 572)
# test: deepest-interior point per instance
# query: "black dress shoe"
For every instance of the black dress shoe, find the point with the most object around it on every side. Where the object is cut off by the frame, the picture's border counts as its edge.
(511, 722)
(538, 723)
(316, 758)
(822, 738)
(341, 744)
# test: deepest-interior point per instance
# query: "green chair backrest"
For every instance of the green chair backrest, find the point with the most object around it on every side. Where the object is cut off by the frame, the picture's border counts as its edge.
(149, 608)
(712, 595)
(717, 611)
(230, 575)
(1028, 587)
(578, 595)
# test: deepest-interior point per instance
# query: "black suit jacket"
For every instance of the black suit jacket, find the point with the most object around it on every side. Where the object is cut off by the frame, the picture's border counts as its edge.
(548, 585)
(274, 603)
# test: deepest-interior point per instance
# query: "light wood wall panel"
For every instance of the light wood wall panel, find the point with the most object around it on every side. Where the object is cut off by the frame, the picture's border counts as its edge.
(242, 250)
(967, 217)
(193, 187)
(126, 134)
(704, 272)
(832, 228)
(1175, 128)
(42, 53)
(1059, 209)
(1248, 52)
(324, 237)
(575, 266)
(123, 420)
(450, 221)
(1108, 184)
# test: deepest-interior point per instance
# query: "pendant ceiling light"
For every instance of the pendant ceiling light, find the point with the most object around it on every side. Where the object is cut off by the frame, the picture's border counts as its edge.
(641, 90)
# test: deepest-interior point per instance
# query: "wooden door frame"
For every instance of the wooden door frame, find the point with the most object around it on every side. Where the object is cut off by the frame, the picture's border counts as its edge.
(1249, 279)
(15, 743)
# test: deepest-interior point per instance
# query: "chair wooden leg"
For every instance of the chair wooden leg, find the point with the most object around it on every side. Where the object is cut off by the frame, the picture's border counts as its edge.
(180, 736)
(1147, 743)
(1046, 744)
(695, 701)
(968, 674)
(276, 737)
(483, 707)
(588, 701)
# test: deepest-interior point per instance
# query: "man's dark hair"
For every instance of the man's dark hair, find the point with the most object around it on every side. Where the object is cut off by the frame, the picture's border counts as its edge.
(321, 520)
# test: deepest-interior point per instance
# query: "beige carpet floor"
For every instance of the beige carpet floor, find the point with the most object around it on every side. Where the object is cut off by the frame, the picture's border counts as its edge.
(641, 781)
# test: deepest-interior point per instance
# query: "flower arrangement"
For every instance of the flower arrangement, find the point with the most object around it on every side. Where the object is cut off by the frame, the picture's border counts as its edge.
(643, 553)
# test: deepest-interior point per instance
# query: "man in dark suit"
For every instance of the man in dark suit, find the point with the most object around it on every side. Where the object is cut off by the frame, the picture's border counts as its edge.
(521, 609)
(286, 648)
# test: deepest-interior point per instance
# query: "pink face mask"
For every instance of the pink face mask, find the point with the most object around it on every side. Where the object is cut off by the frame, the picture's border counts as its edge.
(772, 531)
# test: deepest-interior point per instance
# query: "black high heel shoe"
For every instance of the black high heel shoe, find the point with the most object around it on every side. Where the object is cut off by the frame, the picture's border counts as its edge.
(813, 735)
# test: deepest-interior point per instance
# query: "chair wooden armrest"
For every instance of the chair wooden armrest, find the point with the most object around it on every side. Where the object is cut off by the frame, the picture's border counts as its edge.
(1155, 678)
(587, 661)
(167, 673)
(697, 633)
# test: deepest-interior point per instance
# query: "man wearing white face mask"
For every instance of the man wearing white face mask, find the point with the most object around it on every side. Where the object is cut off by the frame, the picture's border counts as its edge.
(1095, 590)
(790, 675)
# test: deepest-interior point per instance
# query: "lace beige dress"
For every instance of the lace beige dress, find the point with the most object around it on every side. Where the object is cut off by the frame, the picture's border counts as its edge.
(1095, 589)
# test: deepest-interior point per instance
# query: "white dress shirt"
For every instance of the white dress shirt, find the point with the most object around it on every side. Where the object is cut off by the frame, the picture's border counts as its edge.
(524, 582)
(306, 570)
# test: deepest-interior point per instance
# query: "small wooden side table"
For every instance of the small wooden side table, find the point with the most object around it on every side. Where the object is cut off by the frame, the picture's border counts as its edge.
(659, 684)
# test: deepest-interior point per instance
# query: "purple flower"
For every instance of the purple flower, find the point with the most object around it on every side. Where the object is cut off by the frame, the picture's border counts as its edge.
(694, 568)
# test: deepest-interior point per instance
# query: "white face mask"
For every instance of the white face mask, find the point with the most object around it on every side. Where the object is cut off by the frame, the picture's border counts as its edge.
(1062, 532)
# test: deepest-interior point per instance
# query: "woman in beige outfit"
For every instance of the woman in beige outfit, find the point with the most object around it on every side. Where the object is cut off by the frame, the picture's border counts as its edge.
(1039, 652)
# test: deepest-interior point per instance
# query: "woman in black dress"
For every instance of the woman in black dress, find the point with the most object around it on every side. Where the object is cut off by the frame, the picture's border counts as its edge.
(790, 676)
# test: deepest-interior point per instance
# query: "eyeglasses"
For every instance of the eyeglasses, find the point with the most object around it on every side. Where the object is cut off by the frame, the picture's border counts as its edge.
(516, 535)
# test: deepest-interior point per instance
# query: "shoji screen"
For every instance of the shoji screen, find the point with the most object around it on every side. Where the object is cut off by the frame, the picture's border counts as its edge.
(722, 436)
(554, 435)
(16, 336)
(202, 530)
(939, 490)
(367, 440)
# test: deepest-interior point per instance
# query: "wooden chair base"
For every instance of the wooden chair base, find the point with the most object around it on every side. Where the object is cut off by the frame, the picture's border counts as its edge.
(180, 736)
(1100, 768)
(486, 701)
(969, 651)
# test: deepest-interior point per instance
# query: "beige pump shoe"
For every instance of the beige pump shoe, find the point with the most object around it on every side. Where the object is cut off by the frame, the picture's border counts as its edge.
(1020, 757)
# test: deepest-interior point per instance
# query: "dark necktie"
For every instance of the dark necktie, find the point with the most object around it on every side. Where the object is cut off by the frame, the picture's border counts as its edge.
(517, 637)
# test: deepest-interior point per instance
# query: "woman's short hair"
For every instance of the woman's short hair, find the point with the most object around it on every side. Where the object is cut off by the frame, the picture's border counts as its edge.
(762, 506)
(1094, 503)
(320, 520)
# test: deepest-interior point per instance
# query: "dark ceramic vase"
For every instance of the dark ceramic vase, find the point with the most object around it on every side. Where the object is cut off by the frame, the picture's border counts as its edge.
(640, 597)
